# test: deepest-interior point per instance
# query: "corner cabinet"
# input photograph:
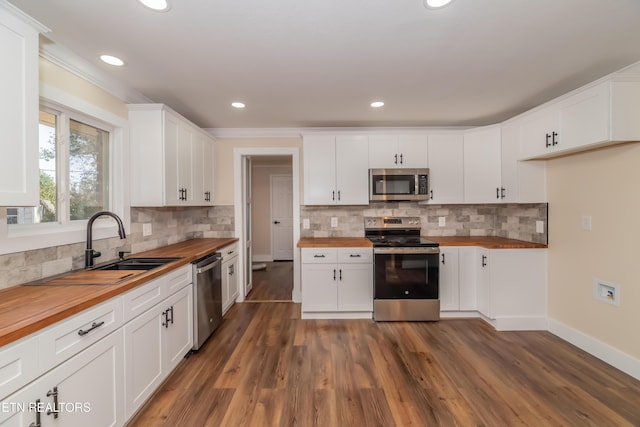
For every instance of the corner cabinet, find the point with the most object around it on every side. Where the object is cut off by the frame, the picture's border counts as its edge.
(336, 170)
(337, 283)
(19, 184)
(598, 115)
(171, 159)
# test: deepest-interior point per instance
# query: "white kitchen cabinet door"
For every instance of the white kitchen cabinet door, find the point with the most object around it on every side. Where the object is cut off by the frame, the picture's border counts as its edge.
(523, 181)
(319, 287)
(445, 154)
(468, 272)
(319, 158)
(208, 179)
(585, 118)
(483, 282)
(398, 151)
(449, 279)
(173, 154)
(143, 357)
(234, 279)
(540, 132)
(178, 334)
(413, 151)
(16, 410)
(355, 287)
(230, 282)
(19, 364)
(352, 170)
(19, 182)
(383, 151)
(482, 164)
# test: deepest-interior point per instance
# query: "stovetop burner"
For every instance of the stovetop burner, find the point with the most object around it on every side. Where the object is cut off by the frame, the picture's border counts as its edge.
(395, 232)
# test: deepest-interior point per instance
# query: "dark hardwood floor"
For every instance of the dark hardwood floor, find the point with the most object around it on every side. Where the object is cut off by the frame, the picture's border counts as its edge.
(274, 283)
(266, 367)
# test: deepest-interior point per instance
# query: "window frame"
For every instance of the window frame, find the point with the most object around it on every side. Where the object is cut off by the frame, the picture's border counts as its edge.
(18, 238)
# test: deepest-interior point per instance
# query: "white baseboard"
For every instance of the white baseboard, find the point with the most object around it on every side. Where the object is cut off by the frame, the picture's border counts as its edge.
(337, 315)
(521, 323)
(459, 314)
(597, 348)
(262, 258)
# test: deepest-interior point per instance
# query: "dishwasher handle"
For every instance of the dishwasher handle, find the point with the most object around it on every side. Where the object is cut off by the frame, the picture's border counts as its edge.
(207, 264)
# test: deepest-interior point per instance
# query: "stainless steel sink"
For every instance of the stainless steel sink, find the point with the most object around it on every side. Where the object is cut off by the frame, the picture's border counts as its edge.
(136, 264)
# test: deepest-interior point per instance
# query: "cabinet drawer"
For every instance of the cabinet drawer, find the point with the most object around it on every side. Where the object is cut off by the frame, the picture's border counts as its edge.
(142, 298)
(229, 251)
(70, 336)
(177, 279)
(319, 255)
(355, 255)
(18, 365)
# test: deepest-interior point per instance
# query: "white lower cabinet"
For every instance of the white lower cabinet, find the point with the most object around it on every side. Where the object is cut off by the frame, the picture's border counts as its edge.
(230, 277)
(449, 279)
(337, 282)
(155, 342)
(85, 390)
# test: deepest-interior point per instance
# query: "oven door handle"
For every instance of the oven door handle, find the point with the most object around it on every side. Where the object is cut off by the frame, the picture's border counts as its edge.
(407, 250)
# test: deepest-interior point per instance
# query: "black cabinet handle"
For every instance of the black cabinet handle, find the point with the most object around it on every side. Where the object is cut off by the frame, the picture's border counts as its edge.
(502, 193)
(94, 325)
(340, 274)
(442, 259)
(276, 222)
(355, 256)
(171, 311)
(53, 393)
(484, 260)
(165, 322)
(334, 274)
(400, 158)
(395, 160)
(554, 140)
(38, 422)
(547, 143)
(338, 195)
(497, 193)
(318, 256)
(333, 195)
(431, 194)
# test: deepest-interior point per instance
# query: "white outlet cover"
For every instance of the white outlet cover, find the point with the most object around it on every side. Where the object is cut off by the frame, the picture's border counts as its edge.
(442, 221)
(586, 222)
(539, 226)
(334, 221)
(606, 292)
(306, 224)
(146, 229)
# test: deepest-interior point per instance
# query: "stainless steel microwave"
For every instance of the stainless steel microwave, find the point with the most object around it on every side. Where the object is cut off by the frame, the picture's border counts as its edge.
(398, 184)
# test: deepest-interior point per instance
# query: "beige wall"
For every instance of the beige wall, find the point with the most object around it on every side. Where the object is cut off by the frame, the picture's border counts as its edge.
(603, 184)
(261, 213)
(53, 75)
(224, 161)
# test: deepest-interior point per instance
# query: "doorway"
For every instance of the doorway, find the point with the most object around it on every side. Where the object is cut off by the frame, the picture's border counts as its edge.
(260, 175)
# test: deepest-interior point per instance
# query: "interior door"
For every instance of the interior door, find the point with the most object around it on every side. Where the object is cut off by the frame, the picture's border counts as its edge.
(282, 217)
(247, 224)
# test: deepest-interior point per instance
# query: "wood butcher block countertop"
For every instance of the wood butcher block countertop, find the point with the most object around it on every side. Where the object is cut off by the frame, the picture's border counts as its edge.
(487, 242)
(334, 242)
(25, 309)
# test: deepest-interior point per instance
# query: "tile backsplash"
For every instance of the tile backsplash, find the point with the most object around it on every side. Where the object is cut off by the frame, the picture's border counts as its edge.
(514, 221)
(169, 225)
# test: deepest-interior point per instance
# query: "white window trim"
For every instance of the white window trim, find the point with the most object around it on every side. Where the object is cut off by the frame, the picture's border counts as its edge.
(50, 235)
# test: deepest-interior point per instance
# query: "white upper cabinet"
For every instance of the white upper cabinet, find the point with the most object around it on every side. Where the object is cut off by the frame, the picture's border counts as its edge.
(482, 166)
(598, 115)
(19, 182)
(336, 170)
(172, 159)
(398, 151)
(522, 181)
(445, 153)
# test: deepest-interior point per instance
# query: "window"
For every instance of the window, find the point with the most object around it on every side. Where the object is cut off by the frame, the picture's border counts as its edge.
(74, 170)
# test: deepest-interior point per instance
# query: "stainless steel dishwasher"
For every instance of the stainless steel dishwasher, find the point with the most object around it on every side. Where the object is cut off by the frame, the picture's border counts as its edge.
(207, 298)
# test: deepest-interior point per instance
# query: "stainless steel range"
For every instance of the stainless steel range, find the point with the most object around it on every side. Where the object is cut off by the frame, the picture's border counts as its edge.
(406, 270)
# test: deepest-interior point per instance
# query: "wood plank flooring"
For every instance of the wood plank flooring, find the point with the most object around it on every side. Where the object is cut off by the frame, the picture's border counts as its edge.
(266, 367)
(275, 283)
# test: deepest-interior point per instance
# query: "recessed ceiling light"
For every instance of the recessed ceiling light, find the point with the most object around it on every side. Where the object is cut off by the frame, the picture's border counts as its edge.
(158, 5)
(238, 104)
(112, 60)
(435, 4)
(377, 104)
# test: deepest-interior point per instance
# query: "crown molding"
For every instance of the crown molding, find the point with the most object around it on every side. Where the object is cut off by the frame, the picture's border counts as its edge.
(23, 16)
(299, 132)
(63, 57)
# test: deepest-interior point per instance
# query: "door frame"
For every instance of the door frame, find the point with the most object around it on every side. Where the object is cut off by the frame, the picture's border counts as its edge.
(238, 205)
(271, 219)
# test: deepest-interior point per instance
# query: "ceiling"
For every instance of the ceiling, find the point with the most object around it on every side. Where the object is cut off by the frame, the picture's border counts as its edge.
(320, 63)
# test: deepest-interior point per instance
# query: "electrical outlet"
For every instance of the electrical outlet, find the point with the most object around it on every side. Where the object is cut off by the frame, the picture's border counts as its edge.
(334, 221)
(442, 221)
(146, 229)
(606, 292)
(539, 226)
(305, 224)
(586, 222)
